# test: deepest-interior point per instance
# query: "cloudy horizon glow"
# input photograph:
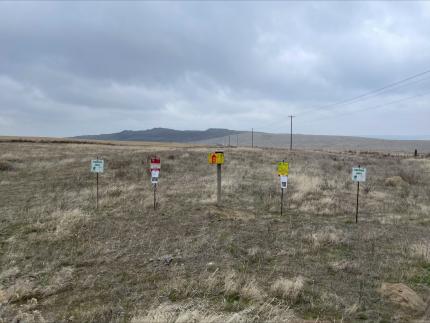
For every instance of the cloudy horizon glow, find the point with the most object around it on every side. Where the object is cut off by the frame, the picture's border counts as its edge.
(100, 67)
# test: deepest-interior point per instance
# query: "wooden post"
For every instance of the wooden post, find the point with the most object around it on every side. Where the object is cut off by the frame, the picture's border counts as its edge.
(218, 167)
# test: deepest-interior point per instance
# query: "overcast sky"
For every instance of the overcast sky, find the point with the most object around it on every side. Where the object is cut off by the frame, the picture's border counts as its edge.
(91, 67)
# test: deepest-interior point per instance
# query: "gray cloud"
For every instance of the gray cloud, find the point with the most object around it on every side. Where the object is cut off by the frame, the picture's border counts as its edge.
(72, 68)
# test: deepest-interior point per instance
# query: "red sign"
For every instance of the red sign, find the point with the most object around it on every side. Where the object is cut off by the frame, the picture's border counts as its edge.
(155, 163)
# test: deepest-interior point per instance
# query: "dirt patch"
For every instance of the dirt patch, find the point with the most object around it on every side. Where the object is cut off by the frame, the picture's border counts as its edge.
(394, 181)
(405, 297)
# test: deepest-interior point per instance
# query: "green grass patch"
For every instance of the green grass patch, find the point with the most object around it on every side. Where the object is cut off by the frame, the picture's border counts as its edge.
(424, 276)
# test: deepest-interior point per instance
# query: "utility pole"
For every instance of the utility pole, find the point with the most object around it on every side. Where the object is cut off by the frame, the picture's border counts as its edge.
(229, 141)
(291, 131)
(252, 138)
(237, 140)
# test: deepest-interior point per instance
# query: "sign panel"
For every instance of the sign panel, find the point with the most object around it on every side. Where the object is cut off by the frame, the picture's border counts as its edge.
(155, 163)
(359, 174)
(155, 168)
(283, 169)
(154, 177)
(216, 158)
(284, 181)
(97, 165)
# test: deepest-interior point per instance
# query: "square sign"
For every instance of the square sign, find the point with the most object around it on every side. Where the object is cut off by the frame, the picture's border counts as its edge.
(97, 166)
(284, 181)
(359, 174)
(155, 164)
(216, 158)
(283, 169)
(155, 168)
(154, 176)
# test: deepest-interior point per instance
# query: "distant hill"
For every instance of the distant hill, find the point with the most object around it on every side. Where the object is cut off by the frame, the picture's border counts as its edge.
(163, 135)
(221, 137)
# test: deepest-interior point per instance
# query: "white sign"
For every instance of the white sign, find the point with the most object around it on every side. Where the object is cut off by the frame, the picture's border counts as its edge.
(97, 166)
(154, 176)
(284, 181)
(359, 174)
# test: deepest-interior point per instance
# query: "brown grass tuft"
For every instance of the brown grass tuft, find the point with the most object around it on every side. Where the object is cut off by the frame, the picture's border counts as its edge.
(288, 289)
(6, 166)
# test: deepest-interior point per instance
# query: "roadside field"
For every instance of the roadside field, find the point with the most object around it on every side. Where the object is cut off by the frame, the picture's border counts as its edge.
(63, 260)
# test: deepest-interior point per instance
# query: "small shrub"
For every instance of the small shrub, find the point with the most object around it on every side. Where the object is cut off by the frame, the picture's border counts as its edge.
(409, 176)
(421, 250)
(119, 164)
(251, 291)
(394, 181)
(115, 192)
(256, 255)
(288, 289)
(6, 166)
(327, 236)
(231, 284)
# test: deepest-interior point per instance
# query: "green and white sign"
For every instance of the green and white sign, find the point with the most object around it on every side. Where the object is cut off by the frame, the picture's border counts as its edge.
(359, 174)
(97, 166)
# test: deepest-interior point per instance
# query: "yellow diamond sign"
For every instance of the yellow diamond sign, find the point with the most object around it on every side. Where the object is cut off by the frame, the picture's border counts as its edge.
(283, 169)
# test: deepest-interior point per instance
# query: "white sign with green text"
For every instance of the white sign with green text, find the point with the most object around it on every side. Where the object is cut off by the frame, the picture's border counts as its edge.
(359, 174)
(97, 166)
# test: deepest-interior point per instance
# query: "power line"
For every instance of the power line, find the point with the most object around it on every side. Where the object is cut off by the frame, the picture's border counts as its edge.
(381, 89)
(365, 96)
(372, 107)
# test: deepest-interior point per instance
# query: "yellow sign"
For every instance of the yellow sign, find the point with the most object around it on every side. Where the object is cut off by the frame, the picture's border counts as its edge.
(216, 158)
(283, 169)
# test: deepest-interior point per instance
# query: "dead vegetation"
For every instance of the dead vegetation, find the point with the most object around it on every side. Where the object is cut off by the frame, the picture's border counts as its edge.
(61, 260)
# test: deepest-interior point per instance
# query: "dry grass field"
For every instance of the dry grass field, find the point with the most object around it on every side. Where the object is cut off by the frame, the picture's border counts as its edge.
(62, 260)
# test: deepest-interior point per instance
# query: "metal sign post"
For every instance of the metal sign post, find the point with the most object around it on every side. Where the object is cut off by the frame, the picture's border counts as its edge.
(155, 198)
(356, 207)
(97, 166)
(218, 159)
(283, 176)
(155, 168)
(358, 175)
(282, 199)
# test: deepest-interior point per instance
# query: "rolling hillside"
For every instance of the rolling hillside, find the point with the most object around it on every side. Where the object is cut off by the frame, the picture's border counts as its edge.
(162, 135)
(223, 137)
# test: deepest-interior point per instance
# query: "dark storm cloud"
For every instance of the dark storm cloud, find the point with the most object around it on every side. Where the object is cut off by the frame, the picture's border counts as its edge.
(71, 68)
